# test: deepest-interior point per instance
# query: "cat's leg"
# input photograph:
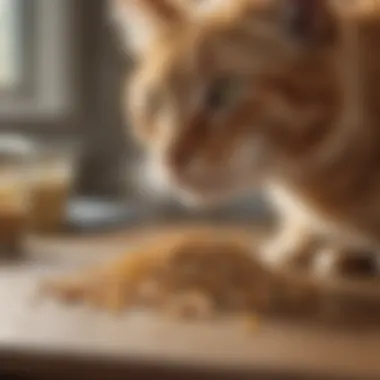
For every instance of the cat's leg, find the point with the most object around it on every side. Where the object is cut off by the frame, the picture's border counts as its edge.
(293, 244)
(297, 245)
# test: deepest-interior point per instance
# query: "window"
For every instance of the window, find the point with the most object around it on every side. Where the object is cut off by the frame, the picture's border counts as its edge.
(10, 43)
(34, 60)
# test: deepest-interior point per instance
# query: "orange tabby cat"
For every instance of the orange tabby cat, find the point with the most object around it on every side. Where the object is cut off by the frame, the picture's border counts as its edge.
(279, 95)
(265, 93)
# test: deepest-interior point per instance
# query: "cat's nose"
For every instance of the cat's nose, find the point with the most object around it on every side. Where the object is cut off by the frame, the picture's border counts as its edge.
(180, 159)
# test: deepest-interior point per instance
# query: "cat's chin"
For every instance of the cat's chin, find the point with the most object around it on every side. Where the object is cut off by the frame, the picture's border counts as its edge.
(157, 182)
(210, 199)
(196, 201)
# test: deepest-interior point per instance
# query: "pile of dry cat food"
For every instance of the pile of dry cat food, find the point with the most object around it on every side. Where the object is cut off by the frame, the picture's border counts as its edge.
(203, 278)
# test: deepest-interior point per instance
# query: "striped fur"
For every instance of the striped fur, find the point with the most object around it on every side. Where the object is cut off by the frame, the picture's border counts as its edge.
(246, 96)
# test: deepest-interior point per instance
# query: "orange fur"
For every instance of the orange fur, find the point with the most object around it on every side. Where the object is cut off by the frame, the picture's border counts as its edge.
(301, 119)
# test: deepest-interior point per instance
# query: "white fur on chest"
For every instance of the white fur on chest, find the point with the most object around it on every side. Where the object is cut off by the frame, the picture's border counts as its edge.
(292, 208)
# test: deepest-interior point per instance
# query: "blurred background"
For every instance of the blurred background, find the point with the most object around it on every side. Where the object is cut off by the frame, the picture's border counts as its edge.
(61, 72)
(66, 169)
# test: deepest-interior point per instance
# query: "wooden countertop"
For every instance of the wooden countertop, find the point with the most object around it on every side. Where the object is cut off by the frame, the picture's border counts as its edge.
(44, 336)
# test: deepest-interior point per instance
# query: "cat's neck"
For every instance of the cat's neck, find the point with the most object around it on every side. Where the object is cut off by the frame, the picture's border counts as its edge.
(354, 81)
(355, 129)
(367, 62)
(359, 66)
(350, 149)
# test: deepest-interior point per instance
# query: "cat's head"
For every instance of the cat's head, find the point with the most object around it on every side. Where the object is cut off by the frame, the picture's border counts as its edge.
(216, 95)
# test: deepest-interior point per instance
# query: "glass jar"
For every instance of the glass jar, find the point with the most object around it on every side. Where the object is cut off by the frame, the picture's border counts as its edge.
(52, 180)
(16, 160)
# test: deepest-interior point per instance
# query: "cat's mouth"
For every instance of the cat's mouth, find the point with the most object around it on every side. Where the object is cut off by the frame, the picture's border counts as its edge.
(209, 190)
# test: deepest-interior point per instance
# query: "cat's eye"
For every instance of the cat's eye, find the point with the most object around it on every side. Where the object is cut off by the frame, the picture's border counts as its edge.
(222, 93)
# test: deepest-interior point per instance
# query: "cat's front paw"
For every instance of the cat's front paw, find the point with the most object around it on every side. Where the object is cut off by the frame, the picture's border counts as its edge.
(342, 261)
(289, 251)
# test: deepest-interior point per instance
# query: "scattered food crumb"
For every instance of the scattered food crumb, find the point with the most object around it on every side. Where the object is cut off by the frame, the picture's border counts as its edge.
(191, 305)
(253, 323)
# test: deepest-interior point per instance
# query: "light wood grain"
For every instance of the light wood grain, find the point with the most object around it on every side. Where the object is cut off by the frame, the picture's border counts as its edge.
(31, 325)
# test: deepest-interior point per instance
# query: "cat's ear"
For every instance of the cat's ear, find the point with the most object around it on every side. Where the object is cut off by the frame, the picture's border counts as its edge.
(141, 22)
(311, 22)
